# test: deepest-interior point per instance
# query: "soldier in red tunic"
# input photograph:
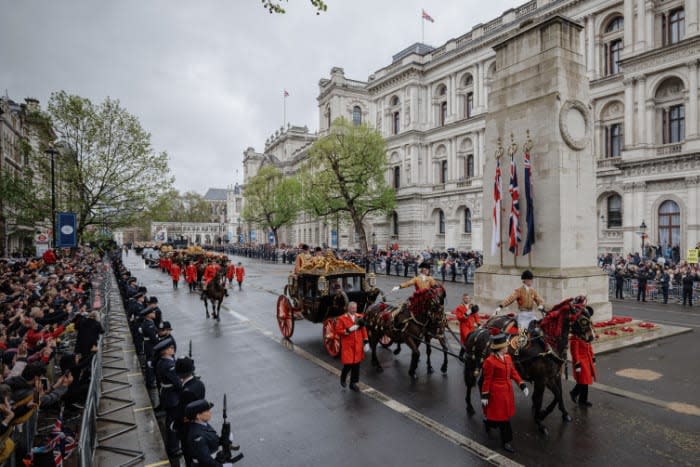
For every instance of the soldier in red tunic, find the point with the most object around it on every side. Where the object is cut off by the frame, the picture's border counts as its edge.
(583, 361)
(191, 276)
(497, 391)
(353, 344)
(230, 271)
(468, 317)
(175, 274)
(240, 274)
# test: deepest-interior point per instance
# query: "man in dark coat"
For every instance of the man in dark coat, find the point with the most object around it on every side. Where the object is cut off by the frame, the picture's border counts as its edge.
(192, 389)
(687, 282)
(150, 338)
(642, 277)
(170, 389)
(619, 282)
(665, 283)
(89, 331)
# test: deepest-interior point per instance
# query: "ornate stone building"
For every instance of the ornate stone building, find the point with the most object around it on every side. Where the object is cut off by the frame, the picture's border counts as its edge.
(430, 104)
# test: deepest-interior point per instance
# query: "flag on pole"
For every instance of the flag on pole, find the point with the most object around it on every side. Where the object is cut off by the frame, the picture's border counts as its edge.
(496, 234)
(427, 17)
(530, 214)
(514, 221)
(286, 94)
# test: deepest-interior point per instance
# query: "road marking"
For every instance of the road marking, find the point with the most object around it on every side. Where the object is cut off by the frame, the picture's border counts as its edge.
(639, 374)
(143, 408)
(679, 407)
(449, 434)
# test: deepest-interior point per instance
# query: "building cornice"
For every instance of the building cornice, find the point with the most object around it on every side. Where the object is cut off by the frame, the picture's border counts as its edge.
(685, 50)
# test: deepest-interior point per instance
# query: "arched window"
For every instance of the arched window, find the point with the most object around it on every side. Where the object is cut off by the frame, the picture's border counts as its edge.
(612, 42)
(395, 223)
(467, 221)
(615, 24)
(468, 80)
(669, 100)
(614, 211)
(395, 101)
(396, 123)
(356, 115)
(613, 140)
(441, 221)
(443, 172)
(397, 177)
(470, 166)
(669, 224)
(442, 93)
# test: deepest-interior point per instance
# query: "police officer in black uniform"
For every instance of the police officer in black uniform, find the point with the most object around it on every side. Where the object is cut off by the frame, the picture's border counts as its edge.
(153, 304)
(149, 335)
(665, 283)
(192, 389)
(170, 389)
(202, 440)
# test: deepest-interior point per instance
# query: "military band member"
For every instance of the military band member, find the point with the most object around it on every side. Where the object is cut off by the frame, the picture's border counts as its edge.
(240, 274)
(527, 297)
(421, 282)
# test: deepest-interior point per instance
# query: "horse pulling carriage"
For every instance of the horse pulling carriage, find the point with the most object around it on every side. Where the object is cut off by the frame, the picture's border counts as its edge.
(320, 292)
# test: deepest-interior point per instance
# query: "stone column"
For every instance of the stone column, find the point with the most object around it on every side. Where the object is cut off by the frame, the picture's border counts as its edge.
(590, 46)
(476, 142)
(477, 88)
(650, 114)
(692, 112)
(640, 27)
(641, 118)
(628, 31)
(629, 113)
(429, 119)
(452, 106)
(553, 105)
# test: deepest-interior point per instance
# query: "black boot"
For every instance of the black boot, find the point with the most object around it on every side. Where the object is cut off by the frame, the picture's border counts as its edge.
(583, 398)
(508, 448)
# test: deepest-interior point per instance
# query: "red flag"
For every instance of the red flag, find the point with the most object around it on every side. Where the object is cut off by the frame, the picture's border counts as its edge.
(427, 17)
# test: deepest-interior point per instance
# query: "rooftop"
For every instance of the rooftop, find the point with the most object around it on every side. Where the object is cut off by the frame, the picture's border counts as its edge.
(216, 194)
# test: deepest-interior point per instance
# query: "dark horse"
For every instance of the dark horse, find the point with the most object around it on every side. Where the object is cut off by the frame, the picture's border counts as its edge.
(531, 354)
(420, 318)
(215, 292)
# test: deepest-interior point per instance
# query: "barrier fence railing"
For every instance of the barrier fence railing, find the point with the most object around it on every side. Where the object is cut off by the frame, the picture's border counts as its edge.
(630, 288)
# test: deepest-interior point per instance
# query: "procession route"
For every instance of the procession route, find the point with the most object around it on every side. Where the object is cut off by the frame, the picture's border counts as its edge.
(449, 434)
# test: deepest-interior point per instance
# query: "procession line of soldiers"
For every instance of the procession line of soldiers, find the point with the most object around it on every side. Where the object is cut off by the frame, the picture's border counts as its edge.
(209, 271)
(181, 394)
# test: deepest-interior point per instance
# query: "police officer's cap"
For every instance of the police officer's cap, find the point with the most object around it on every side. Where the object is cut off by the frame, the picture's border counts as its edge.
(165, 326)
(499, 341)
(424, 265)
(527, 274)
(164, 344)
(197, 407)
(184, 366)
(153, 300)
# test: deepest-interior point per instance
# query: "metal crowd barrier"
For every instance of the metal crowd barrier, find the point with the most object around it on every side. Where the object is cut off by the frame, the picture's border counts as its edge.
(630, 288)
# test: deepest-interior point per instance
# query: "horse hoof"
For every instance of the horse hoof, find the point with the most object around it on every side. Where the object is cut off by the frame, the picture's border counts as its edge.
(443, 369)
(430, 370)
(543, 429)
(412, 374)
(470, 411)
(567, 418)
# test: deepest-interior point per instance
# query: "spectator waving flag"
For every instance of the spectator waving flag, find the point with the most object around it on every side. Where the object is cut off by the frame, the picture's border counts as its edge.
(496, 234)
(427, 17)
(530, 214)
(514, 221)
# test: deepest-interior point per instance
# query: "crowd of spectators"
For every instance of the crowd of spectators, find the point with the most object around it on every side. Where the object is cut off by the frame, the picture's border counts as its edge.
(48, 338)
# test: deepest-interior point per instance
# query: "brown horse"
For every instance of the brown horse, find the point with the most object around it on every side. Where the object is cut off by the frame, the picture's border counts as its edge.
(534, 360)
(421, 318)
(215, 291)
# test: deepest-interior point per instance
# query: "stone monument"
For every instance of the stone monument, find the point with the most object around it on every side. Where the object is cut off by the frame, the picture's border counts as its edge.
(541, 88)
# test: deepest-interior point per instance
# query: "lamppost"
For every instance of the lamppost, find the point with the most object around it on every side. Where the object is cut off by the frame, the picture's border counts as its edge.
(374, 240)
(51, 151)
(643, 228)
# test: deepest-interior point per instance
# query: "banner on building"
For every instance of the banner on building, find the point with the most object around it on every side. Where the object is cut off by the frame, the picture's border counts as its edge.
(693, 256)
(334, 238)
(67, 230)
(271, 237)
(252, 236)
(162, 235)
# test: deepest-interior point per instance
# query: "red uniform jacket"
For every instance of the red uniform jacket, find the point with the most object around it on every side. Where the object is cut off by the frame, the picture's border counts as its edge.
(467, 322)
(351, 344)
(175, 272)
(168, 264)
(498, 389)
(240, 273)
(582, 355)
(49, 257)
(191, 273)
(230, 271)
(209, 273)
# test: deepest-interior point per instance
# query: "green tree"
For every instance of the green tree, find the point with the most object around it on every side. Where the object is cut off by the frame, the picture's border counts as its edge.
(344, 176)
(271, 199)
(113, 166)
(274, 6)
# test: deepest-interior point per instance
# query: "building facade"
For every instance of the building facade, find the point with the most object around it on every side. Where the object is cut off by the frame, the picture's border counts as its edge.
(430, 105)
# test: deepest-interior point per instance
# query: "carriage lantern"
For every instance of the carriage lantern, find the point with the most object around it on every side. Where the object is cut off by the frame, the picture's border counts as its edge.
(323, 285)
(372, 279)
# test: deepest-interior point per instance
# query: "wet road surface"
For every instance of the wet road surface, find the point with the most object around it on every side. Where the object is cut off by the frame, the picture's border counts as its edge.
(288, 409)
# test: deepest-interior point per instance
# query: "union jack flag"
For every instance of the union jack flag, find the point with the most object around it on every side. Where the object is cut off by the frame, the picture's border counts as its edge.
(514, 221)
(286, 94)
(496, 233)
(530, 213)
(427, 17)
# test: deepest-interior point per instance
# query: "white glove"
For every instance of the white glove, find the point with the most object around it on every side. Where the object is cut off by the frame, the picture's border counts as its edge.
(498, 310)
(395, 288)
(578, 370)
(541, 308)
(484, 402)
(526, 391)
(353, 328)
(366, 348)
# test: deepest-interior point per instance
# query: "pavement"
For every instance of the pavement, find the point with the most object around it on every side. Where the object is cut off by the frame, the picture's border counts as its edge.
(287, 408)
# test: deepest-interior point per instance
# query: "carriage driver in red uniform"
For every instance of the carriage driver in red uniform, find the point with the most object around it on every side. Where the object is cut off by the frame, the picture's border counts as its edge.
(527, 297)
(353, 344)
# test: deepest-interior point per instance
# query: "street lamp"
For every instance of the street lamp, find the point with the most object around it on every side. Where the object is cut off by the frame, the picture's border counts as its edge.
(51, 151)
(643, 228)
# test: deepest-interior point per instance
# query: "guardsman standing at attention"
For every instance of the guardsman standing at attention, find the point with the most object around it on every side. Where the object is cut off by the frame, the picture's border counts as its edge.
(150, 339)
(584, 369)
(170, 388)
(497, 397)
(421, 282)
(175, 274)
(230, 272)
(468, 317)
(527, 297)
(191, 276)
(202, 440)
(240, 274)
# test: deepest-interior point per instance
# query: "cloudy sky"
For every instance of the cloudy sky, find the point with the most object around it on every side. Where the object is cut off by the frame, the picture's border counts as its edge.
(206, 77)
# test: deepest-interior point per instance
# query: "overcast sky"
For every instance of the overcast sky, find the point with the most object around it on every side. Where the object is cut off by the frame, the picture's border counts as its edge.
(206, 77)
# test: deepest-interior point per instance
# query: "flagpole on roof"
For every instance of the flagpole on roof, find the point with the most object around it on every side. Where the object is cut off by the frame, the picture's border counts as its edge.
(284, 119)
(422, 28)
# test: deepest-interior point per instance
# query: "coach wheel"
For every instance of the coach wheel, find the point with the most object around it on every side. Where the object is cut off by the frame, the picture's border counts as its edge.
(331, 340)
(385, 341)
(285, 320)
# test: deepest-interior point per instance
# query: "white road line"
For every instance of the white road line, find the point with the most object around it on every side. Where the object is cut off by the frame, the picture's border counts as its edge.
(449, 434)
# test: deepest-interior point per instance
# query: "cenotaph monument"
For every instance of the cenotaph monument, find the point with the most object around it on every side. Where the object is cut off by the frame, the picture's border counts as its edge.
(539, 102)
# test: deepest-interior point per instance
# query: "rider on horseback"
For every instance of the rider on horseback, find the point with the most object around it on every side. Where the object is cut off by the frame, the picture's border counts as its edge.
(527, 297)
(422, 281)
